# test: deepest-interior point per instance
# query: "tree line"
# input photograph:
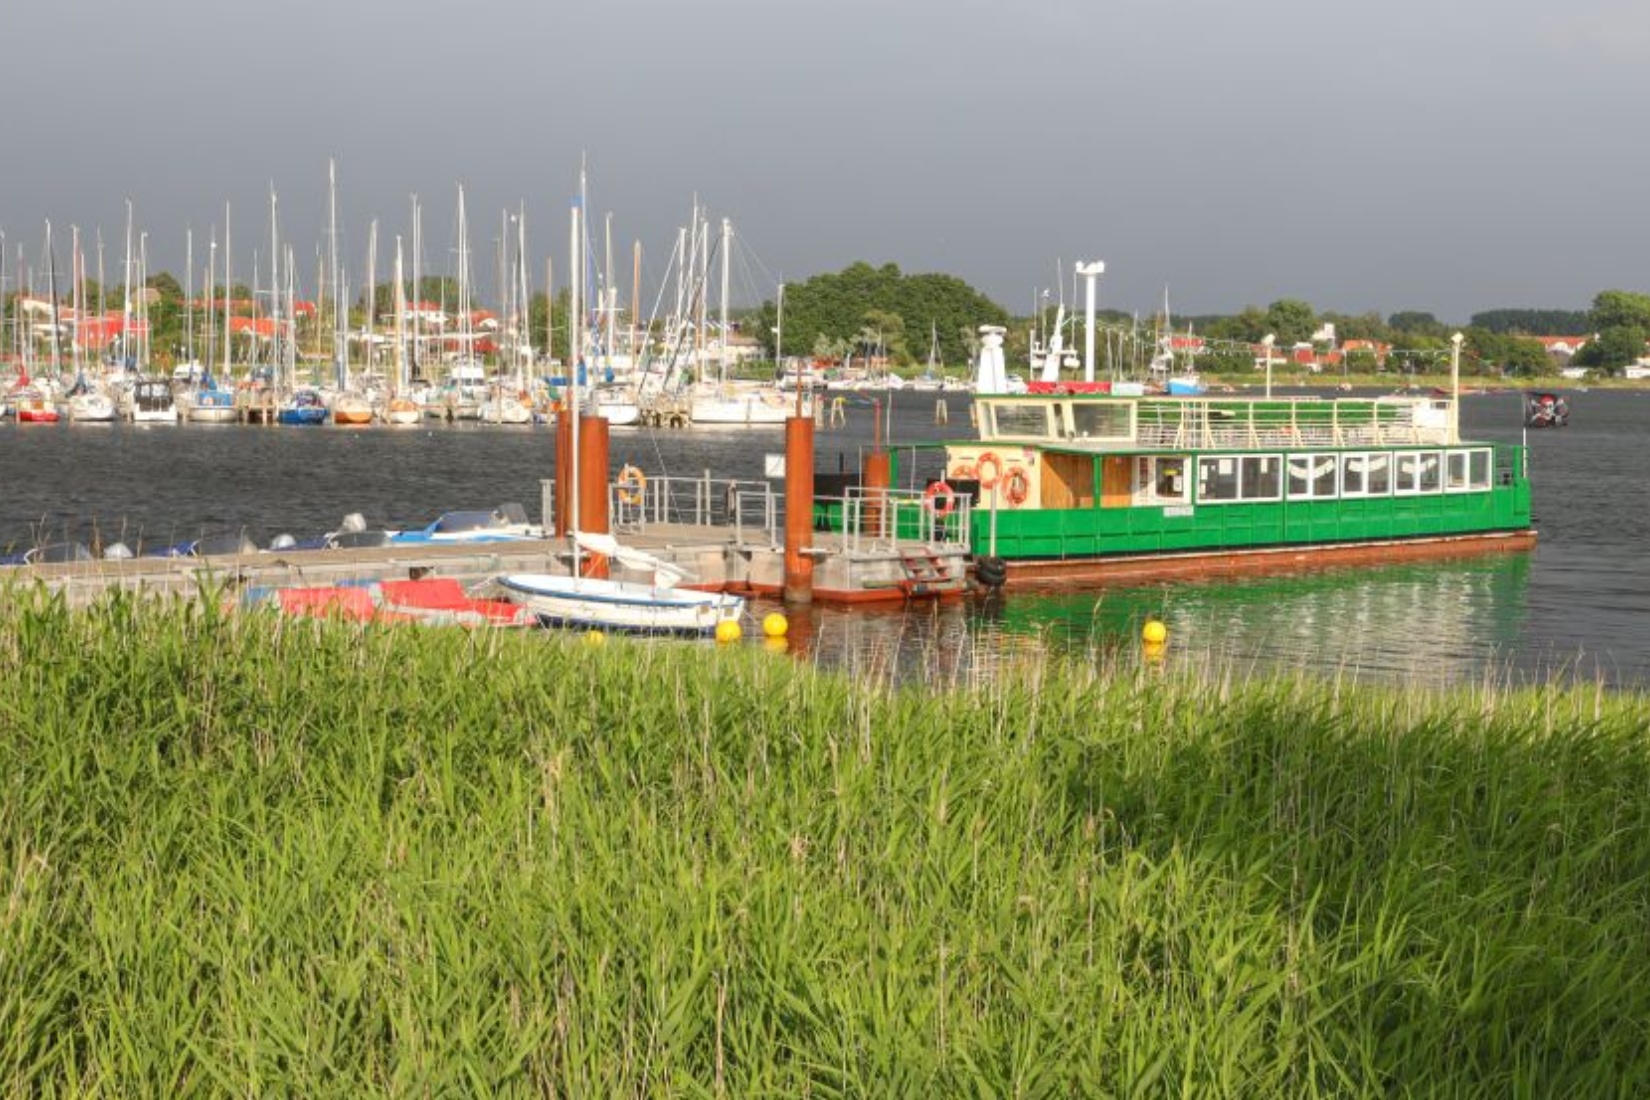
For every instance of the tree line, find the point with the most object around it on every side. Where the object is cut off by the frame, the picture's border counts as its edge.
(866, 311)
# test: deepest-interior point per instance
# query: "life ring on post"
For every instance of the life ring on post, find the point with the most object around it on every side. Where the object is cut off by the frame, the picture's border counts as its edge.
(940, 499)
(632, 485)
(988, 481)
(1016, 486)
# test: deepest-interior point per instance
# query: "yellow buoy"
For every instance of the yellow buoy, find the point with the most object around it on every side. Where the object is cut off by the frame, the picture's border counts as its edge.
(1154, 632)
(594, 637)
(728, 631)
(774, 625)
(1153, 651)
(776, 645)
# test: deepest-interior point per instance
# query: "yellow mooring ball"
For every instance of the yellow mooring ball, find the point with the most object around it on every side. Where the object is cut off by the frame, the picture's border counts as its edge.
(1154, 632)
(594, 637)
(728, 631)
(774, 625)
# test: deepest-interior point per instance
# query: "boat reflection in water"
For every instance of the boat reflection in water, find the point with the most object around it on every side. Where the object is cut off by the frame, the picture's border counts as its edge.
(1432, 623)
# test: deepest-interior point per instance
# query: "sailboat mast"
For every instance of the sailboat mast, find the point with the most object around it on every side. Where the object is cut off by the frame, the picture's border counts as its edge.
(57, 318)
(372, 287)
(574, 343)
(189, 294)
(635, 300)
(340, 351)
(228, 295)
(727, 248)
(400, 324)
(274, 287)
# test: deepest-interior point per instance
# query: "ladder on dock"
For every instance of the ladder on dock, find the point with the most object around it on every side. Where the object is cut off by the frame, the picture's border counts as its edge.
(925, 574)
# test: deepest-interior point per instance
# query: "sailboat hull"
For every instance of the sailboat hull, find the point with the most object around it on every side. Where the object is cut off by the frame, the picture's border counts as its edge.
(593, 604)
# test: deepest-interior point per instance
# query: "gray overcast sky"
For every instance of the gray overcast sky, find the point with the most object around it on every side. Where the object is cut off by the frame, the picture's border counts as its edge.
(1449, 155)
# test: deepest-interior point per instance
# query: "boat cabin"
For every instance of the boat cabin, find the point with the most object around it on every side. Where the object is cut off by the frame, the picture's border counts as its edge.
(1056, 475)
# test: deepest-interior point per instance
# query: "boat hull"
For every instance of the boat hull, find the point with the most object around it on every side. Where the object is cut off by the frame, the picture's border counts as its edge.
(593, 604)
(1030, 575)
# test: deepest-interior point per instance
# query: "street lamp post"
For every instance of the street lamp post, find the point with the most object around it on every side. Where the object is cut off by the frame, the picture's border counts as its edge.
(1455, 388)
(1266, 343)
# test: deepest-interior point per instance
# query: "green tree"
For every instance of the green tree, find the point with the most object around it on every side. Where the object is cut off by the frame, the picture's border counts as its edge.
(1614, 349)
(836, 306)
(1416, 323)
(1620, 309)
(1293, 321)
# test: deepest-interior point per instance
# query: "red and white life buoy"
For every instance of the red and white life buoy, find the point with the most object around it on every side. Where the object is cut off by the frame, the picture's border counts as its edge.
(940, 499)
(988, 459)
(1016, 486)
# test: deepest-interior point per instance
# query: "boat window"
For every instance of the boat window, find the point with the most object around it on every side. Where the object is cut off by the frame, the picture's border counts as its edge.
(1162, 480)
(1020, 420)
(1418, 472)
(1478, 469)
(1432, 471)
(1262, 477)
(1367, 474)
(1312, 476)
(1223, 478)
(1217, 479)
(1466, 471)
(1100, 420)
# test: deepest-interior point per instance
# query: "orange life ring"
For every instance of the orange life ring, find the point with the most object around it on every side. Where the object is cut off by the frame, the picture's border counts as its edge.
(632, 485)
(1016, 486)
(996, 469)
(963, 471)
(932, 496)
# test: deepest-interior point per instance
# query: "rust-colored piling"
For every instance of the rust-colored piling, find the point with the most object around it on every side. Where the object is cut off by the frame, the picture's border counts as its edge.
(564, 467)
(593, 460)
(799, 509)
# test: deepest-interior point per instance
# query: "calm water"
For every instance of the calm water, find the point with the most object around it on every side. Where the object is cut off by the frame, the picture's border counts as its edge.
(1580, 603)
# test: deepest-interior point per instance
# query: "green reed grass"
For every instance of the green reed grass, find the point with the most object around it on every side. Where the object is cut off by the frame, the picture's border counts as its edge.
(248, 855)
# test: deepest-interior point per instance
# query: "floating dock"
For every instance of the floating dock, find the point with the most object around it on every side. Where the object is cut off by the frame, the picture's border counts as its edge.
(723, 536)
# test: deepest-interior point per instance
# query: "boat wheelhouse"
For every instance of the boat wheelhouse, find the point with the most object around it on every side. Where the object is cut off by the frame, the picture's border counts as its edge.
(1098, 485)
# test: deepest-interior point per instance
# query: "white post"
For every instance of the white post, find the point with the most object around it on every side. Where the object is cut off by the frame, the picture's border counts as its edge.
(1455, 388)
(1090, 273)
(1266, 343)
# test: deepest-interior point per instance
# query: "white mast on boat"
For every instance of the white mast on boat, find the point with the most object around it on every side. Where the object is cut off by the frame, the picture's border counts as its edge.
(274, 291)
(574, 346)
(189, 294)
(400, 325)
(340, 344)
(1090, 272)
(727, 249)
(144, 348)
(372, 288)
(126, 296)
(465, 336)
(228, 294)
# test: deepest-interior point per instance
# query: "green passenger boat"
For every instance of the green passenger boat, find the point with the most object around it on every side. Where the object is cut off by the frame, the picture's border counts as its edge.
(1077, 485)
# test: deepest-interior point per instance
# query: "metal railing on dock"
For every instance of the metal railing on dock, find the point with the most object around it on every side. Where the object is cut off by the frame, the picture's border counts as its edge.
(862, 521)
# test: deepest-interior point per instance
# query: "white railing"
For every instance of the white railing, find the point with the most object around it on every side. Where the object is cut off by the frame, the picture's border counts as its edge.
(754, 512)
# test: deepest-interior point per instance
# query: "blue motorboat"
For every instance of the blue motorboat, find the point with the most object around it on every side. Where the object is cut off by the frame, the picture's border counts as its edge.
(304, 407)
(501, 524)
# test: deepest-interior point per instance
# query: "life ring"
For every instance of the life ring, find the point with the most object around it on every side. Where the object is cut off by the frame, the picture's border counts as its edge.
(1016, 486)
(940, 499)
(632, 485)
(996, 469)
(963, 471)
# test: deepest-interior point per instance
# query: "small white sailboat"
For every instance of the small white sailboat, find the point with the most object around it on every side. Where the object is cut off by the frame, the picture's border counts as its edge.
(629, 606)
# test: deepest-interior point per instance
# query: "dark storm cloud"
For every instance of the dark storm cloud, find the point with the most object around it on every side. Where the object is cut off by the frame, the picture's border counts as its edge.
(1406, 155)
